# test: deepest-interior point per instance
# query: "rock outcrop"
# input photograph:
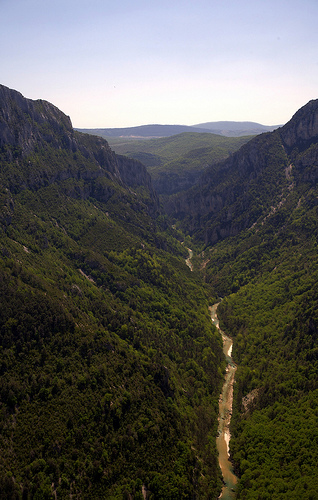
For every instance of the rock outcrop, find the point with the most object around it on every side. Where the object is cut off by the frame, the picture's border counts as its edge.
(253, 182)
(38, 140)
(302, 128)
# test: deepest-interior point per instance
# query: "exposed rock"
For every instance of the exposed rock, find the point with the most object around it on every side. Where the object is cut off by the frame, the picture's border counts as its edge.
(249, 399)
(31, 131)
(223, 201)
(303, 127)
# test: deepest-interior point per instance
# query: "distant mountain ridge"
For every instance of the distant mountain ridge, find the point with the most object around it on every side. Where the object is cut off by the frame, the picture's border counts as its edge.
(236, 129)
(226, 128)
(142, 131)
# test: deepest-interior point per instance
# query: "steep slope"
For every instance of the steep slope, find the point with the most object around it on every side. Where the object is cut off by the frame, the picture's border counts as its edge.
(107, 349)
(256, 217)
(38, 142)
(251, 184)
(175, 163)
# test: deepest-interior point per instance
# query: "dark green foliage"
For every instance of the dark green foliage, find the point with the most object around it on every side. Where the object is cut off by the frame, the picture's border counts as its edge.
(110, 368)
(269, 277)
(275, 325)
(103, 386)
(175, 163)
(101, 358)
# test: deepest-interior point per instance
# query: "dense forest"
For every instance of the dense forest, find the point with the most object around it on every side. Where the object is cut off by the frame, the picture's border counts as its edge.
(110, 366)
(175, 163)
(264, 226)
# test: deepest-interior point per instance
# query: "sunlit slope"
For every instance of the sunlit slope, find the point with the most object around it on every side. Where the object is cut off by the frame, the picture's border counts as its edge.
(175, 163)
(256, 217)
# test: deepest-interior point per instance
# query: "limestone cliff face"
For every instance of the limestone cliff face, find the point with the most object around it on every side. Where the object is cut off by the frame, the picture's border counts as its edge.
(24, 122)
(27, 125)
(300, 139)
(303, 127)
(39, 140)
(252, 183)
(134, 175)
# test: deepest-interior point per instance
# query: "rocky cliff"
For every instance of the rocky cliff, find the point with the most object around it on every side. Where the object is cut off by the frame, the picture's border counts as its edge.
(39, 143)
(302, 129)
(254, 182)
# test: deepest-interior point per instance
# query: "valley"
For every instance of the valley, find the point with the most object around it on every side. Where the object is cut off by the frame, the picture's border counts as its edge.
(225, 412)
(175, 163)
(111, 369)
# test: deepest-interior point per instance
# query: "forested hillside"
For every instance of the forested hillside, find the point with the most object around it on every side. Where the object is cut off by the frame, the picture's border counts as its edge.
(256, 216)
(110, 367)
(175, 163)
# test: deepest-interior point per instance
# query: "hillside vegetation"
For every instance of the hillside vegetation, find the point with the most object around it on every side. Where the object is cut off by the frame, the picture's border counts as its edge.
(175, 163)
(256, 217)
(110, 367)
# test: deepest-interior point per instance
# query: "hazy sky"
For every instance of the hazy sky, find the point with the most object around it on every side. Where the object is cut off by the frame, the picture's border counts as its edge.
(134, 62)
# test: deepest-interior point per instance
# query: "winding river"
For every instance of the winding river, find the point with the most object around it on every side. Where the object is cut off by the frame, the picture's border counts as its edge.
(225, 412)
(188, 260)
(225, 408)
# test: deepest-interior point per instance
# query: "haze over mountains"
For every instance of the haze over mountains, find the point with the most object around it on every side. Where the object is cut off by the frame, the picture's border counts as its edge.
(110, 368)
(226, 128)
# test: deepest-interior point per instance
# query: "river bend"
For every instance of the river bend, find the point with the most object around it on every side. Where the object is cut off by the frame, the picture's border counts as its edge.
(225, 413)
(225, 408)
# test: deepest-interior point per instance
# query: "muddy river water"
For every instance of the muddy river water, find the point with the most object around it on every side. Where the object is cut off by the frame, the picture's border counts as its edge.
(225, 408)
(225, 412)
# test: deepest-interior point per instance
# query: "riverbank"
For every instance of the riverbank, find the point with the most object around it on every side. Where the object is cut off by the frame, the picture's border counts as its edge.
(225, 413)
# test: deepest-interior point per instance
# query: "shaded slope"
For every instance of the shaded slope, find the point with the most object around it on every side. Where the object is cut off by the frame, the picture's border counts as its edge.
(252, 183)
(256, 217)
(107, 349)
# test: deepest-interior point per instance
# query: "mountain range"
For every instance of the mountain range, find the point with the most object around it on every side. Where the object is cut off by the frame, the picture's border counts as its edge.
(102, 324)
(110, 367)
(226, 128)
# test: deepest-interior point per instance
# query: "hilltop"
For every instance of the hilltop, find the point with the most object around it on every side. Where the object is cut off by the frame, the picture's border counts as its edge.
(236, 129)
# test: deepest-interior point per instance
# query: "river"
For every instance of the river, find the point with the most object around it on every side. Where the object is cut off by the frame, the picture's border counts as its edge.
(188, 260)
(225, 408)
(225, 412)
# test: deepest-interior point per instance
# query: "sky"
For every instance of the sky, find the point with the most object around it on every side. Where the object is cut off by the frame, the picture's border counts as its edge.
(125, 63)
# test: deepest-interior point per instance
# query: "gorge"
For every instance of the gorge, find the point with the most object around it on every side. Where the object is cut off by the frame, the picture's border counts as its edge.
(225, 413)
(110, 367)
